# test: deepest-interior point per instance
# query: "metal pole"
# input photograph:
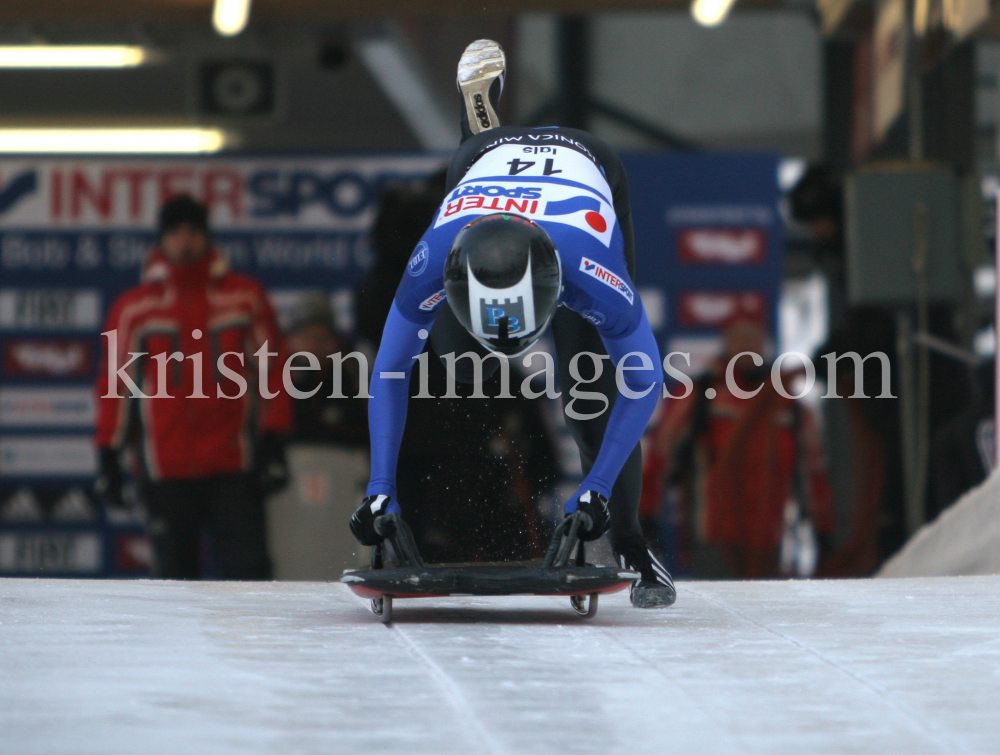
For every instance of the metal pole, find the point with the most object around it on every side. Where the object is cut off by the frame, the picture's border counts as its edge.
(915, 514)
(908, 418)
(916, 115)
(574, 70)
(914, 82)
(914, 372)
(996, 342)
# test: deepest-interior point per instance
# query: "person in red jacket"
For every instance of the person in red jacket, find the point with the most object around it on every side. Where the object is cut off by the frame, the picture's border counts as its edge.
(728, 467)
(191, 379)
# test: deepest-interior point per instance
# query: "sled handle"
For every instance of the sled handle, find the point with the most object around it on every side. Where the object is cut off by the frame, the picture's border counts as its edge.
(400, 536)
(565, 538)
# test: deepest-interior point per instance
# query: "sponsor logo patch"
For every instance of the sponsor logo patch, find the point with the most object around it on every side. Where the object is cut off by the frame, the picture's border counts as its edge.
(490, 190)
(46, 407)
(587, 213)
(608, 278)
(52, 455)
(714, 309)
(52, 552)
(483, 204)
(481, 114)
(722, 246)
(418, 262)
(590, 206)
(50, 309)
(47, 358)
(17, 188)
(592, 316)
(493, 311)
(433, 300)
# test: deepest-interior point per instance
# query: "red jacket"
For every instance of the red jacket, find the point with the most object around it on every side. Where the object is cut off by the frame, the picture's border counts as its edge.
(183, 437)
(744, 466)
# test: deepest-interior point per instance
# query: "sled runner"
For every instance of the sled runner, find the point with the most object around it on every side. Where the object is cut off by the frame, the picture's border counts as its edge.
(564, 571)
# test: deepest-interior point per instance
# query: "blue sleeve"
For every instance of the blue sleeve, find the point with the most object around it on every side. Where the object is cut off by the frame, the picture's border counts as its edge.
(402, 340)
(599, 288)
(638, 392)
(419, 297)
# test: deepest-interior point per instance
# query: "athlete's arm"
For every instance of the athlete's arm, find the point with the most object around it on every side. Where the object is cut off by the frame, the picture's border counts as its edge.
(638, 392)
(390, 391)
(605, 295)
(418, 299)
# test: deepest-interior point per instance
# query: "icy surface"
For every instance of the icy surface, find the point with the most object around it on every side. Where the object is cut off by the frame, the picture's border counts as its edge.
(880, 666)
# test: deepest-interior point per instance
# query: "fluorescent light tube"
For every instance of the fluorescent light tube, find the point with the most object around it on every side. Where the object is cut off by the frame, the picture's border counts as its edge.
(71, 56)
(711, 12)
(111, 140)
(229, 17)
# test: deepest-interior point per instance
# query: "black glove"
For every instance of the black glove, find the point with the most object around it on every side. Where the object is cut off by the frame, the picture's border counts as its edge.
(363, 521)
(270, 466)
(594, 505)
(108, 486)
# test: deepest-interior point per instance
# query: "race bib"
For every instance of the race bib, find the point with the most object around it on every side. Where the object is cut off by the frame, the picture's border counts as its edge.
(548, 184)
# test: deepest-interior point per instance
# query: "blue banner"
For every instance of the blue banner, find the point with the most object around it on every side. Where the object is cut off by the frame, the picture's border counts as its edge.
(709, 241)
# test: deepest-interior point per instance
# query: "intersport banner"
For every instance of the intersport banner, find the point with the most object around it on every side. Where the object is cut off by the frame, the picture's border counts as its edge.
(73, 235)
(288, 219)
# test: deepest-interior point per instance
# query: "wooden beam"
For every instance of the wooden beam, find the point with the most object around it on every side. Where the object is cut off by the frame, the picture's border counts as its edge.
(137, 11)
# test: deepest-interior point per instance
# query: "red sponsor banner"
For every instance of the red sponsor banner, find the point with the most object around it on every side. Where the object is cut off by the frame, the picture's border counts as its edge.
(722, 246)
(716, 309)
(47, 358)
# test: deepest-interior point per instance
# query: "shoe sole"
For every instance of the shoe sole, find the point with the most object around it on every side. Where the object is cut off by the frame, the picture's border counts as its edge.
(482, 63)
(653, 598)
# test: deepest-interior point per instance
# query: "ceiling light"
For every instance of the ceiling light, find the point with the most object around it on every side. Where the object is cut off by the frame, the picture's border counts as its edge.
(711, 12)
(229, 17)
(111, 140)
(71, 56)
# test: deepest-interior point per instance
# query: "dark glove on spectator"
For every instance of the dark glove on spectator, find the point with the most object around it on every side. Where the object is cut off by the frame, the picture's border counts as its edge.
(108, 486)
(271, 467)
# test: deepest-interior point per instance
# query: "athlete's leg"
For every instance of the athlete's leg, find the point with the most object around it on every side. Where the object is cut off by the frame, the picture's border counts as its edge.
(573, 335)
(480, 77)
(480, 81)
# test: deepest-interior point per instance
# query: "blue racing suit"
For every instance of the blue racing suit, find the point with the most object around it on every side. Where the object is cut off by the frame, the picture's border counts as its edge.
(553, 177)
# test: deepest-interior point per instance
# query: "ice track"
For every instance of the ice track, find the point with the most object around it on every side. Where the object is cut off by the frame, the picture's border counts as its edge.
(883, 666)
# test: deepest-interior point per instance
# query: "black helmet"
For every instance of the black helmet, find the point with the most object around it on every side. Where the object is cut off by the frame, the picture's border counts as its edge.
(503, 278)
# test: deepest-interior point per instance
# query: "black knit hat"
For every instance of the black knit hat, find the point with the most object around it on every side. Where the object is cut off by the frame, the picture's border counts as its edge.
(180, 210)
